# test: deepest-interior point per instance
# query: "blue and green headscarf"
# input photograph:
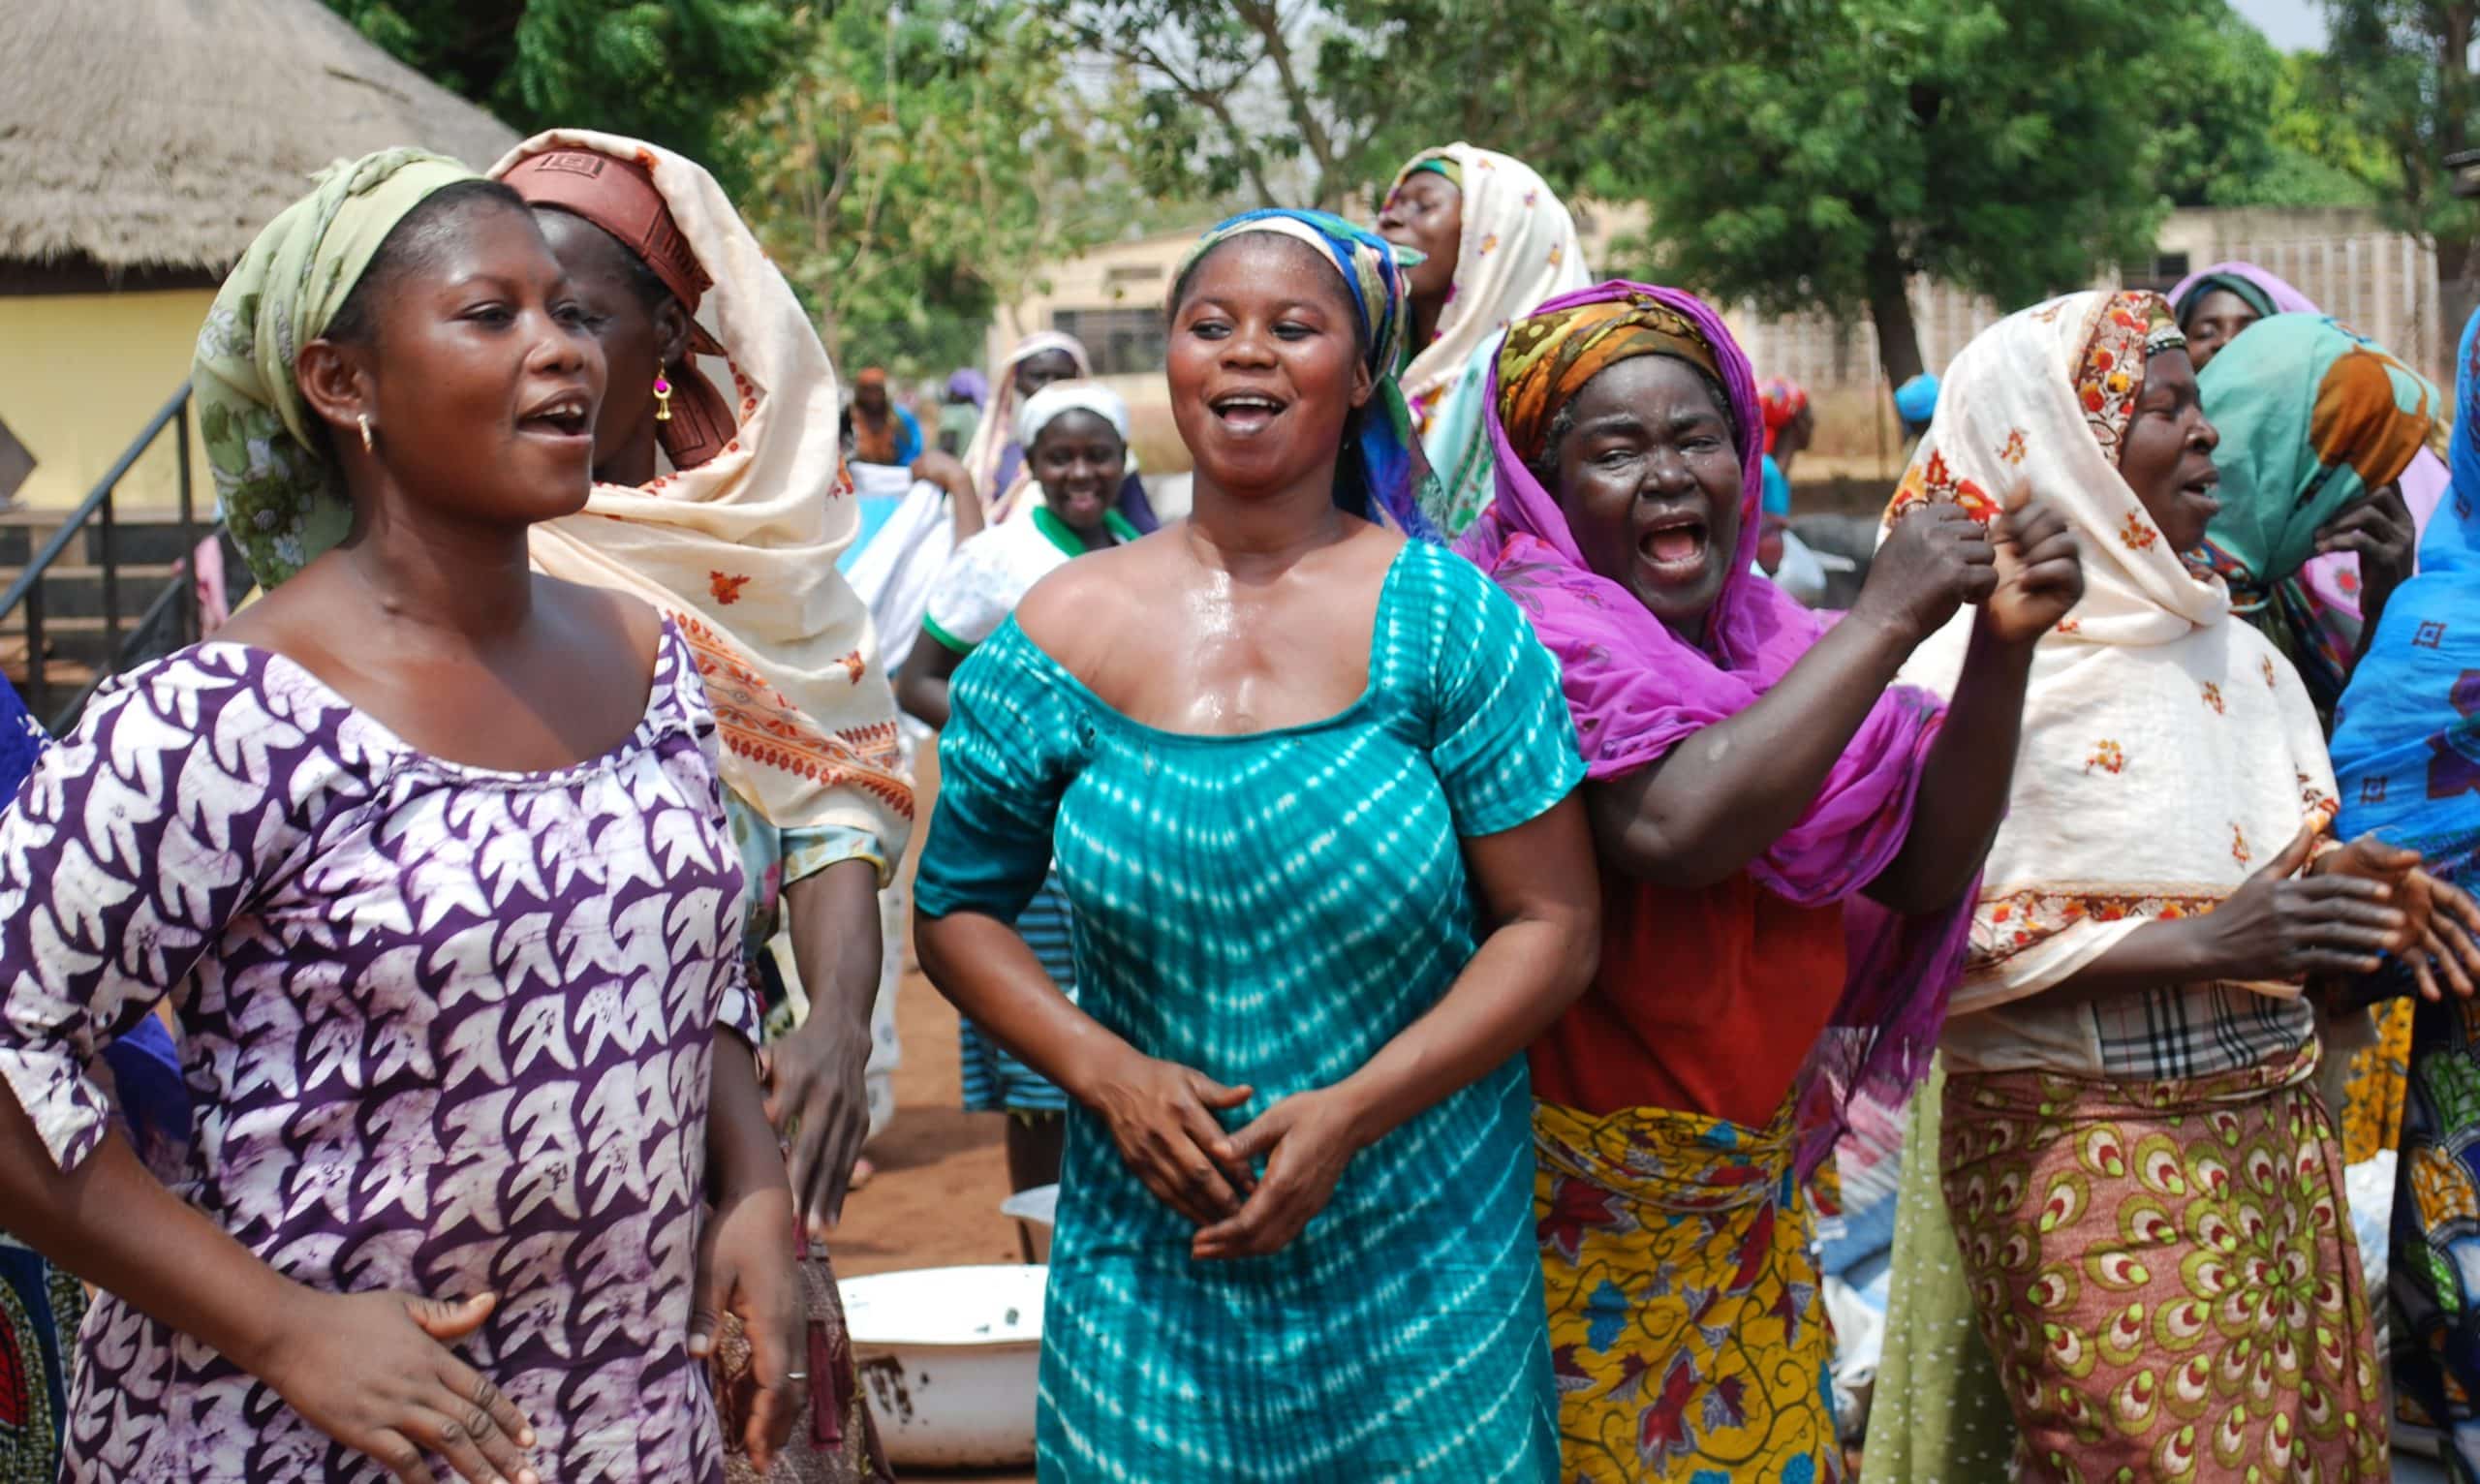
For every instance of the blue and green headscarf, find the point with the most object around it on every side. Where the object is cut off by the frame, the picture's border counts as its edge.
(2313, 419)
(1382, 472)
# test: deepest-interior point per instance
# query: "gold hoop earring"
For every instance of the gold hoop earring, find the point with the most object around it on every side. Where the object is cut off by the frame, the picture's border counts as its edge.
(364, 419)
(662, 398)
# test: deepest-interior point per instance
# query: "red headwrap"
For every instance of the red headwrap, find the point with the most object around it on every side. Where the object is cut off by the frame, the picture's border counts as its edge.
(619, 195)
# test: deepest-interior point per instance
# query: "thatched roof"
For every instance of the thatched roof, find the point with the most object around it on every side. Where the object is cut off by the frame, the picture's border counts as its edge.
(166, 133)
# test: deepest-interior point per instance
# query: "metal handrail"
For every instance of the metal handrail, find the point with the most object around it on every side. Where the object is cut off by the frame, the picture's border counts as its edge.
(97, 509)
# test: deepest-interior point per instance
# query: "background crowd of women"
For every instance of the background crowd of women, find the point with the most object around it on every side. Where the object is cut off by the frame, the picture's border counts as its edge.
(1438, 908)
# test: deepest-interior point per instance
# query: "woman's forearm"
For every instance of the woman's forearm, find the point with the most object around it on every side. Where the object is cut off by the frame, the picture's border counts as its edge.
(742, 1152)
(1964, 786)
(832, 917)
(2170, 951)
(1729, 790)
(1524, 977)
(112, 1223)
(985, 968)
(921, 686)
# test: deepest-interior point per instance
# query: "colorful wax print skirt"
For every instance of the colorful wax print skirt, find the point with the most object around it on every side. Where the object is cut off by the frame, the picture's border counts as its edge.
(40, 1310)
(1688, 1327)
(2165, 1275)
(2436, 1236)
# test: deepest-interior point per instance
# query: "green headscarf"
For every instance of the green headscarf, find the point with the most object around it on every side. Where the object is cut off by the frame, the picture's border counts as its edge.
(283, 499)
(2251, 295)
(2312, 418)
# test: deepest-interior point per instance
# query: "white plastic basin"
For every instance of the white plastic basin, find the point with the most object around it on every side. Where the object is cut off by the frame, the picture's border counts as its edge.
(951, 1358)
(1034, 1211)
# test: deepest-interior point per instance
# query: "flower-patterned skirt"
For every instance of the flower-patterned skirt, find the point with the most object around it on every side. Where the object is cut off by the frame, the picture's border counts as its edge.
(2165, 1274)
(1688, 1327)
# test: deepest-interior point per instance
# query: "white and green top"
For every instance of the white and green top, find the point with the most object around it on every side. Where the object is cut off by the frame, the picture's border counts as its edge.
(994, 570)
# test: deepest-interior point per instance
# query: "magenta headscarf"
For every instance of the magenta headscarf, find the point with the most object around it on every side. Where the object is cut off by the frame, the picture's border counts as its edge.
(1636, 690)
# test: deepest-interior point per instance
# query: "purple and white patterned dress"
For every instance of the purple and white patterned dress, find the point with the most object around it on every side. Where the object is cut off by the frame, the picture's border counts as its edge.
(448, 1030)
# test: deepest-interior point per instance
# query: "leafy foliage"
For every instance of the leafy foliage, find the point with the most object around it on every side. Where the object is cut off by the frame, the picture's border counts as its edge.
(670, 70)
(1806, 154)
(2242, 125)
(2399, 71)
(912, 168)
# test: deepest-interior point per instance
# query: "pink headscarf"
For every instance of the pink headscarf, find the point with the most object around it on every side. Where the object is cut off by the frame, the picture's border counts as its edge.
(1636, 690)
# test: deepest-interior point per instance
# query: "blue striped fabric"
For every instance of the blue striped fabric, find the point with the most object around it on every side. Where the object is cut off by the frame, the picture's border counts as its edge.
(995, 1081)
(1272, 908)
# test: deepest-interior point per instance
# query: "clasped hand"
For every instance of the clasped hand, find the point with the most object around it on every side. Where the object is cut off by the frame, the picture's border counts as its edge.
(2023, 569)
(1161, 1116)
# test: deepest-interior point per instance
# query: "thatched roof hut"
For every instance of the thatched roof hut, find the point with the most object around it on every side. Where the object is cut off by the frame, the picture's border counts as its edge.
(161, 135)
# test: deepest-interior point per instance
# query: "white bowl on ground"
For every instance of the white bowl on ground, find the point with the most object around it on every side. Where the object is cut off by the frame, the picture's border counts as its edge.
(950, 1358)
(1035, 1211)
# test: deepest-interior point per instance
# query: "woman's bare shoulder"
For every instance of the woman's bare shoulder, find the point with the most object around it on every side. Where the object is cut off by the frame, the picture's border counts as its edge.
(1075, 613)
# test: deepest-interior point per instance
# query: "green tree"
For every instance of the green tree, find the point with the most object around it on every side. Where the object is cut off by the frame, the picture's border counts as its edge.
(2400, 69)
(1230, 97)
(1531, 81)
(2240, 124)
(670, 70)
(915, 165)
(1820, 154)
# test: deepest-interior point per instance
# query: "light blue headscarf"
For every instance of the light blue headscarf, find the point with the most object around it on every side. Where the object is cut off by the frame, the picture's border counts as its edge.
(2407, 741)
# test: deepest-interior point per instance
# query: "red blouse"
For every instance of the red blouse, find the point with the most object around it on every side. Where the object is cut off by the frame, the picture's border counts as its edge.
(1707, 1002)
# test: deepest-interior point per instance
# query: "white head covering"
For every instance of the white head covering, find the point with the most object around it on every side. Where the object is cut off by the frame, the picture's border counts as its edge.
(740, 551)
(2167, 750)
(995, 432)
(1518, 250)
(1060, 397)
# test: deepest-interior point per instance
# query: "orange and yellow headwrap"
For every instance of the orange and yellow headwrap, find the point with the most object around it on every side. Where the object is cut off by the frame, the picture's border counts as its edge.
(1548, 358)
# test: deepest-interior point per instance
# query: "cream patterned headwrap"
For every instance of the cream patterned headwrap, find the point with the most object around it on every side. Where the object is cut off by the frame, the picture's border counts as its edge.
(739, 553)
(283, 496)
(1518, 251)
(2167, 751)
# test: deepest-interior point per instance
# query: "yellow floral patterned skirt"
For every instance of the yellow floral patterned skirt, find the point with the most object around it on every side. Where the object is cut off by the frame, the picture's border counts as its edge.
(1688, 1327)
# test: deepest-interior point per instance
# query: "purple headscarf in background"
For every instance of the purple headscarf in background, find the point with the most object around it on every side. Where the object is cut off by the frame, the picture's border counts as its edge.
(1636, 689)
(2285, 299)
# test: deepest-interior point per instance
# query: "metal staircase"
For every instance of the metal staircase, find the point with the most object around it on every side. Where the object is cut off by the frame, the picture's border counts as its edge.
(66, 621)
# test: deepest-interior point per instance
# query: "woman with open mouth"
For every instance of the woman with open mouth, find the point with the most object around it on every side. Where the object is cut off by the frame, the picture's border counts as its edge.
(1495, 241)
(2135, 1160)
(1756, 782)
(726, 513)
(1310, 791)
(427, 851)
(1076, 439)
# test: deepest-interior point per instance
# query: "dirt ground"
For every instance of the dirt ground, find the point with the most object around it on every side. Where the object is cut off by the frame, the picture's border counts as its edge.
(941, 1175)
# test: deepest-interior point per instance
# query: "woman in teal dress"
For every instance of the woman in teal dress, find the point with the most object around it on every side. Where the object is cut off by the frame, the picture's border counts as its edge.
(1324, 892)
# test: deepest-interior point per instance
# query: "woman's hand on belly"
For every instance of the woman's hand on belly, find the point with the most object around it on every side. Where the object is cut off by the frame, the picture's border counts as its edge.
(373, 1371)
(1306, 1140)
(1161, 1116)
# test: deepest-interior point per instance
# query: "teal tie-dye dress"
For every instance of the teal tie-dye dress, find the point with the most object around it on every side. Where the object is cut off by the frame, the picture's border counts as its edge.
(1271, 909)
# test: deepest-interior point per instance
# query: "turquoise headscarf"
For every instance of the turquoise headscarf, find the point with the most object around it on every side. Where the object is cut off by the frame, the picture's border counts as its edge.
(1381, 473)
(284, 499)
(2312, 419)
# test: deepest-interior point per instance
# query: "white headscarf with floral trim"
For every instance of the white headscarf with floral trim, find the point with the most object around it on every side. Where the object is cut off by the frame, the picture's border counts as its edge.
(2168, 751)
